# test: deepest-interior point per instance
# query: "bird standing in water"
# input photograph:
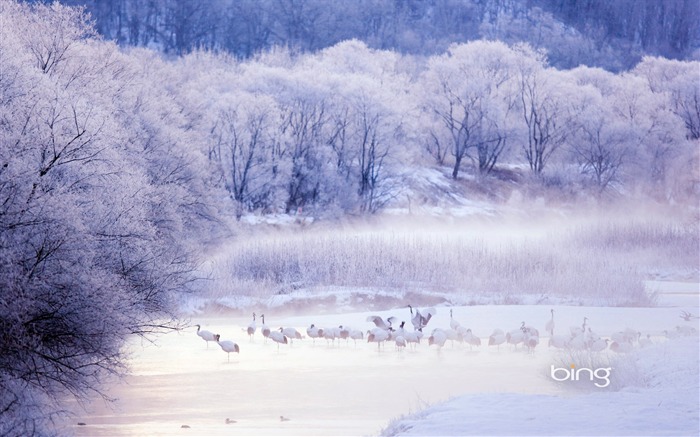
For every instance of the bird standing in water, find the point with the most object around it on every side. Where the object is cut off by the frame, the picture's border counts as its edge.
(251, 328)
(227, 346)
(205, 335)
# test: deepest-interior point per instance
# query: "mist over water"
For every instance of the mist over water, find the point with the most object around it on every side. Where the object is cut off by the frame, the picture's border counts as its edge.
(596, 258)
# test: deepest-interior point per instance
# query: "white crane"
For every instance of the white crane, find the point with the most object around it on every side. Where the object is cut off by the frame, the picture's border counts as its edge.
(278, 338)
(356, 334)
(381, 323)
(205, 335)
(531, 330)
(470, 338)
(453, 336)
(401, 331)
(228, 346)
(263, 328)
(438, 337)
(344, 333)
(377, 335)
(400, 342)
(251, 328)
(330, 334)
(413, 337)
(497, 338)
(314, 332)
(291, 333)
(421, 318)
(549, 327)
(576, 330)
(516, 336)
(531, 339)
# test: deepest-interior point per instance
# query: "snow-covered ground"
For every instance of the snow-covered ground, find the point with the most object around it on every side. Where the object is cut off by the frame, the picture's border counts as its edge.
(663, 401)
(348, 389)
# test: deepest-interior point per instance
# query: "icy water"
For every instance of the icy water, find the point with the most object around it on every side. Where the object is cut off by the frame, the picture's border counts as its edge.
(339, 388)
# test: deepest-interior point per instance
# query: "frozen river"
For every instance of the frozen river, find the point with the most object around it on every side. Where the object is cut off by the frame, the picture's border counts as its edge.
(326, 389)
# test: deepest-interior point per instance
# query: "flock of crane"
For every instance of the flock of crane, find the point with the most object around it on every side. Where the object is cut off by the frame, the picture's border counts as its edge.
(578, 338)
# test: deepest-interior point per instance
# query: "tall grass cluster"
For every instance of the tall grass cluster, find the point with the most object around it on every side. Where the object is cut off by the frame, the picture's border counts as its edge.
(603, 262)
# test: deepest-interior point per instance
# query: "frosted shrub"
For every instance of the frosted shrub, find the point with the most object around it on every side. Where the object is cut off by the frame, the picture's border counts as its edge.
(600, 264)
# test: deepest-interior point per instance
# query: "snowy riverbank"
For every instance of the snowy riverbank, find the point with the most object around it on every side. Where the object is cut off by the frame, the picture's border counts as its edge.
(663, 401)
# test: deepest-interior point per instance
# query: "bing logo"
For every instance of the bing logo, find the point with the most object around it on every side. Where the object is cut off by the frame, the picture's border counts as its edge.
(573, 374)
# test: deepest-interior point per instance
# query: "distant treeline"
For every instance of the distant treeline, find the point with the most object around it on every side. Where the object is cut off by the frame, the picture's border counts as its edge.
(611, 34)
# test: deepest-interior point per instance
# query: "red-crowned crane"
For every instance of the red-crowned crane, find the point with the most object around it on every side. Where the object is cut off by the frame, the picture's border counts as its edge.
(251, 328)
(228, 346)
(377, 335)
(356, 334)
(549, 327)
(516, 336)
(438, 337)
(278, 338)
(497, 338)
(314, 332)
(205, 335)
(263, 328)
(381, 323)
(291, 333)
(421, 318)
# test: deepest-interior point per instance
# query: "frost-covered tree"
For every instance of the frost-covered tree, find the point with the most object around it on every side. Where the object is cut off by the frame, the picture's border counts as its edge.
(370, 109)
(53, 34)
(543, 104)
(244, 139)
(657, 130)
(676, 81)
(603, 142)
(469, 91)
(98, 198)
(303, 129)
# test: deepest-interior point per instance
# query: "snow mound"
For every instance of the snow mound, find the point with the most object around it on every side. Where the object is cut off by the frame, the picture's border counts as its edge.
(661, 398)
